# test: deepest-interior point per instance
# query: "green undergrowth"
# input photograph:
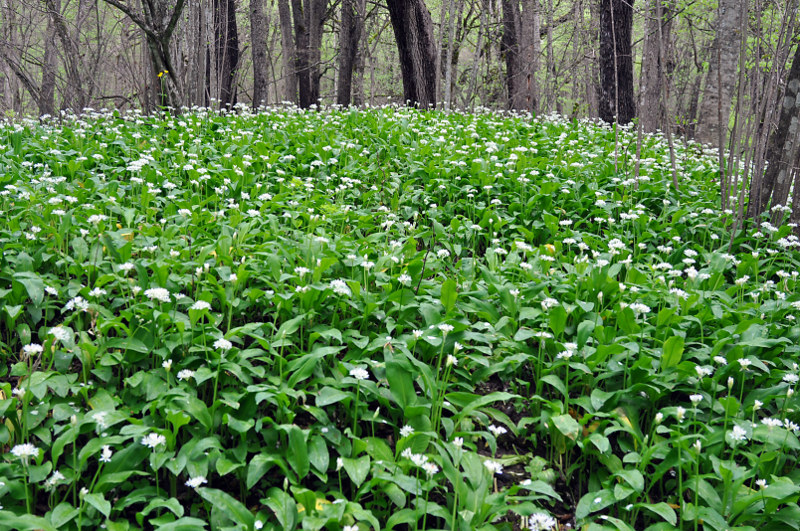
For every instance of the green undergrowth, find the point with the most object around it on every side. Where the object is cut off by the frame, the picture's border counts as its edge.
(385, 319)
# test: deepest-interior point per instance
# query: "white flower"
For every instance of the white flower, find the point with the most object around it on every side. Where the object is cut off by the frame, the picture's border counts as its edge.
(680, 412)
(451, 361)
(737, 434)
(541, 522)
(458, 442)
(159, 294)
(185, 374)
(791, 378)
(60, 333)
(430, 468)
(24, 451)
(258, 524)
(497, 431)
(638, 307)
(493, 466)
(445, 328)
(549, 303)
(53, 480)
(404, 279)
(32, 349)
(359, 374)
(350, 528)
(406, 430)
(340, 287)
(223, 344)
(200, 305)
(77, 303)
(696, 399)
(196, 482)
(153, 439)
(105, 456)
(417, 334)
(762, 483)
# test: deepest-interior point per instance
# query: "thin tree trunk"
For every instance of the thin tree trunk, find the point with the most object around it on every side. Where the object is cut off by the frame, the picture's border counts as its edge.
(46, 99)
(226, 39)
(258, 32)
(448, 78)
(288, 53)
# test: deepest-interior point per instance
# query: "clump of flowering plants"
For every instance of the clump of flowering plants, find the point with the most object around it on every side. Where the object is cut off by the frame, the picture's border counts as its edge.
(385, 319)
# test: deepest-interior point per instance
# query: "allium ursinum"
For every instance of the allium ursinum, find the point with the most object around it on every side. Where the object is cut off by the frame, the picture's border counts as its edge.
(497, 431)
(53, 480)
(445, 328)
(359, 374)
(61, 333)
(549, 303)
(77, 303)
(167, 365)
(200, 305)
(493, 466)
(158, 294)
(404, 279)
(32, 349)
(185, 374)
(223, 344)
(196, 481)
(340, 287)
(152, 440)
(25, 451)
(737, 435)
(540, 522)
(406, 430)
(106, 453)
(696, 399)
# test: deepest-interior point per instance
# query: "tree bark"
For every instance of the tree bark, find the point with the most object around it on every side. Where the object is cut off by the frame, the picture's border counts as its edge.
(258, 33)
(782, 147)
(654, 73)
(616, 61)
(349, 36)
(517, 45)
(413, 32)
(721, 78)
(226, 40)
(46, 100)
(288, 52)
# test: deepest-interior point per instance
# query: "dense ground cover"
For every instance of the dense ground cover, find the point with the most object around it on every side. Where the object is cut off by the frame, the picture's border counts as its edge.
(385, 319)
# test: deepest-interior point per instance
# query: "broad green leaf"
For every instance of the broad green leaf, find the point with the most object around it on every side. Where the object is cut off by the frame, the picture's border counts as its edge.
(297, 452)
(401, 385)
(228, 505)
(357, 469)
(672, 352)
(567, 425)
(449, 294)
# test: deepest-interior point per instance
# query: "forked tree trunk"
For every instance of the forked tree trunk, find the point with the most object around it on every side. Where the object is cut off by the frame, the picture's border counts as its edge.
(413, 31)
(616, 61)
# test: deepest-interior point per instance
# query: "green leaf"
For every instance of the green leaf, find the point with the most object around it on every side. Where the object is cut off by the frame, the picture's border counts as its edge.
(229, 506)
(594, 501)
(585, 330)
(63, 513)
(297, 452)
(558, 319)
(187, 523)
(633, 477)
(33, 285)
(663, 510)
(259, 465)
(98, 502)
(567, 425)
(328, 395)
(318, 454)
(673, 350)
(449, 294)
(284, 507)
(401, 385)
(25, 522)
(357, 469)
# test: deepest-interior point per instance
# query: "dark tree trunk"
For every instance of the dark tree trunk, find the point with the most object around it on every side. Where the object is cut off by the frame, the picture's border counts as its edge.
(510, 49)
(781, 149)
(226, 40)
(616, 61)
(413, 31)
(349, 36)
(301, 61)
(520, 52)
(258, 31)
(46, 99)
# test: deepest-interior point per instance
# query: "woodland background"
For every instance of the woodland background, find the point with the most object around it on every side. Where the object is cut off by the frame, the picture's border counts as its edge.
(725, 72)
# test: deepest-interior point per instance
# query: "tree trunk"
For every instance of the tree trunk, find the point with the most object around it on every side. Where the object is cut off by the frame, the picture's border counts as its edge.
(75, 97)
(653, 110)
(258, 33)
(288, 53)
(413, 31)
(226, 41)
(46, 100)
(451, 37)
(721, 78)
(510, 49)
(616, 61)
(782, 147)
(353, 12)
